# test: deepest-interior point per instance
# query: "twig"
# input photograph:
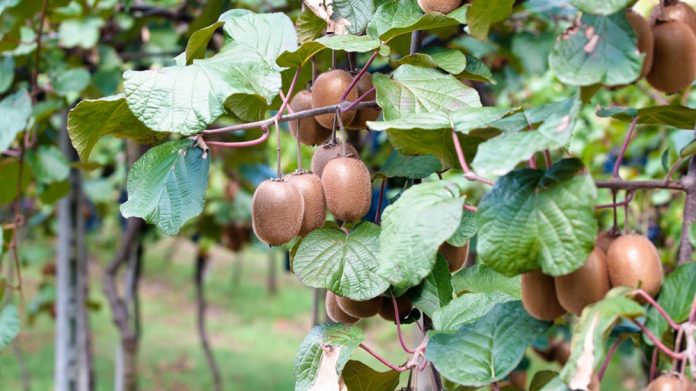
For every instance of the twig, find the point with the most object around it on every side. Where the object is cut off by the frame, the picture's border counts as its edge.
(658, 307)
(398, 326)
(287, 96)
(619, 184)
(672, 169)
(607, 359)
(360, 99)
(468, 174)
(653, 364)
(657, 342)
(532, 162)
(470, 208)
(378, 214)
(624, 147)
(242, 144)
(384, 360)
(629, 198)
(359, 75)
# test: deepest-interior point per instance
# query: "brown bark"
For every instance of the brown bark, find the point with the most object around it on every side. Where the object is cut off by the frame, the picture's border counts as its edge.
(201, 262)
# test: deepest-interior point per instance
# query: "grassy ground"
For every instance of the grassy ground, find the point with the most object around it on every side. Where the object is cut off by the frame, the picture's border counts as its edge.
(254, 335)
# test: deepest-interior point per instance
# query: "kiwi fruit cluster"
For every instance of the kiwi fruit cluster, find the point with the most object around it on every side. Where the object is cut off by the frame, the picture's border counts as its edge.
(307, 130)
(671, 382)
(348, 311)
(628, 260)
(441, 6)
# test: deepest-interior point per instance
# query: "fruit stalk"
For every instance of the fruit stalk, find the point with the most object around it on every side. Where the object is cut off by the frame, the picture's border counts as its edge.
(629, 198)
(378, 214)
(610, 354)
(242, 144)
(619, 184)
(624, 147)
(468, 174)
(384, 360)
(360, 74)
(658, 307)
(287, 97)
(657, 342)
(357, 101)
(398, 327)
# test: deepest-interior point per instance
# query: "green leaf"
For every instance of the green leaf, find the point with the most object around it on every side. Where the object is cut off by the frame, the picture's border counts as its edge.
(602, 49)
(676, 297)
(670, 115)
(357, 12)
(477, 70)
(601, 7)
(467, 229)
(323, 354)
(554, 133)
(83, 32)
(483, 13)
(48, 164)
(413, 167)
(538, 219)
(9, 325)
(688, 150)
(548, 381)
(15, 112)
(590, 334)
(93, 119)
(449, 60)
(9, 173)
(268, 35)
(73, 80)
(435, 291)
(166, 186)
(7, 68)
(309, 26)
(346, 42)
(414, 227)
(397, 17)
(360, 377)
(466, 308)
(487, 349)
(344, 264)
(482, 279)
(198, 42)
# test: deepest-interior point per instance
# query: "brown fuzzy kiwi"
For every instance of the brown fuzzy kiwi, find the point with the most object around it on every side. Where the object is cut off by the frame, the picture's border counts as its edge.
(561, 353)
(455, 256)
(645, 39)
(328, 152)
(584, 286)
(606, 238)
(309, 185)
(360, 309)
(309, 130)
(364, 115)
(327, 90)
(335, 312)
(348, 188)
(387, 310)
(441, 6)
(633, 260)
(276, 212)
(671, 382)
(674, 57)
(539, 296)
(679, 12)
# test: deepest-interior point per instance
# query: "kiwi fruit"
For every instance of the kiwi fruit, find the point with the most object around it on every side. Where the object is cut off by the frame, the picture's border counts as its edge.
(606, 238)
(671, 382)
(364, 115)
(539, 296)
(441, 6)
(584, 286)
(674, 57)
(276, 211)
(455, 256)
(387, 309)
(633, 261)
(327, 152)
(307, 130)
(679, 12)
(327, 90)
(309, 185)
(334, 312)
(360, 309)
(561, 353)
(348, 188)
(645, 39)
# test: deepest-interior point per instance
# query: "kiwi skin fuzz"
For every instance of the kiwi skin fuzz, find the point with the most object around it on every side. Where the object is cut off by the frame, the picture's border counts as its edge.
(327, 90)
(307, 129)
(328, 152)
(455, 256)
(605, 239)
(539, 296)
(633, 260)
(348, 188)
(671, 382)
(364, 115)
(276, 212)
(645, 39)
(674, 57)
(387, 309)
(441, 6)
(679, 11)
(334, 312)
(584, 286)
(309, 185)
(360, 309)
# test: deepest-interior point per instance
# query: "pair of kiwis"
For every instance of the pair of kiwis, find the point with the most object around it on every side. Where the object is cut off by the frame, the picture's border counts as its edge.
(348, 311)
(671, 382)
(441, 6)
(455, 256)
(629, 260)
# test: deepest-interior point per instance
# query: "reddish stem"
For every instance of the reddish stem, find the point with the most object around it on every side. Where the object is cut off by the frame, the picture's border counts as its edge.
(653, 365)
(398, 327)
(673, 169)
(532, 162)
(607, 359)
(624, 147)
(657, 342)
(470, 208)
(383, 360)
(615, 204)
(547, 158)
(677, 346)
(358, 76)
(378, 215)
(11, 152)
(658, 307)
(360, 99)
(286, 99)
(241, 144)
(692, 315)
(468, 174)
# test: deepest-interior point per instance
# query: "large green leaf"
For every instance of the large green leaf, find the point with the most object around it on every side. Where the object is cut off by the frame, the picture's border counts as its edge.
(449, 60)
(309, 26)
(414, 227)
(397, 17)
(477, 70)
(435, 291)
(676, 296)
(70, 81)
(323, 354)
(167, 185)
(414, 167)
(345, 264)
(356, 12)
(198, 42)
(83, 32)
(347, 42)
(590, 334)
(15, 112)
(482, 279)
(93, 119)
(48, 164)
(601, 49)
(466, 308)
(9, 325)
(601, 7)
(467, 229)
(267, 35)
(671, 115)
(483, 13)
(360, 377)
(487, 349)
(538, 219)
